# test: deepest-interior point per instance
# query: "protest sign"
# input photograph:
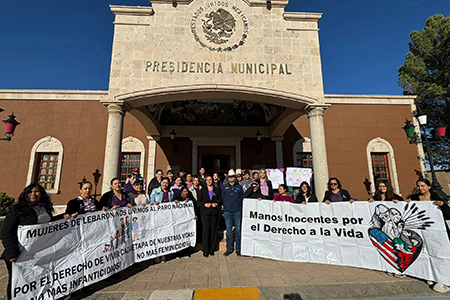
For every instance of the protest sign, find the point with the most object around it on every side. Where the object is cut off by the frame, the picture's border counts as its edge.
(295, 176)
(385, 236)
(276, 176)
(61, 257)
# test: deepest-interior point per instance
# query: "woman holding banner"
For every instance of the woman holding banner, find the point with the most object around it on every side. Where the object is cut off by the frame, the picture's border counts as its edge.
(33, 207)
(265, 185)
(283, 195)
(336, 193)
(305, 196)
(116, 197)
(385, 192)
(186, 196)
(82, 204)
(253, 192)
(138, 196)
(427, 194)
(209, 200)
(163, 194)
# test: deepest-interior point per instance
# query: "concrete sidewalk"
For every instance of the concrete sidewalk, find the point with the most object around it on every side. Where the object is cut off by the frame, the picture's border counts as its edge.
(274, 280)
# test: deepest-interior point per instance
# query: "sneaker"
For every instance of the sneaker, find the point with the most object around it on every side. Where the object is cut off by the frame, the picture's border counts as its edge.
(163, 259)
(238, 253)
(399, 275)
(429, 282)
(440, 288)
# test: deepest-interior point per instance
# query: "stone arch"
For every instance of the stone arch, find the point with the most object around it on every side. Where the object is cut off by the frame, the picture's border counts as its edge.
(51, 145)
(381, 145)
(136, 101)
(215, 91)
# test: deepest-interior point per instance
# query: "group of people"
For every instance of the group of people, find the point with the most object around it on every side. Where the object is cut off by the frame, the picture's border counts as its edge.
(212, 198)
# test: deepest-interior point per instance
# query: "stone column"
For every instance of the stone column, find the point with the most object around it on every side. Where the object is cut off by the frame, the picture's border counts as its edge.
(113, 147)
(151, 156)
(238, 159)
(318, 147)
(279, 150)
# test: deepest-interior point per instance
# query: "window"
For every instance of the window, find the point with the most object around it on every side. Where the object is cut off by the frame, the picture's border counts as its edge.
(380, 167)
(129, 162)
(304, 160)
(47, 168)
(381, 163)
(303, 153)
(133, 154)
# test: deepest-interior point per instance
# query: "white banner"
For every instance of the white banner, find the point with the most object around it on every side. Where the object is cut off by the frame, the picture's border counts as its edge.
(386, 236)
(61, 257)
(276, 176)
(295, 176)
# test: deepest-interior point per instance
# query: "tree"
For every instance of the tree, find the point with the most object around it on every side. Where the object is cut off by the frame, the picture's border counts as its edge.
(5, 203)
(426, 73)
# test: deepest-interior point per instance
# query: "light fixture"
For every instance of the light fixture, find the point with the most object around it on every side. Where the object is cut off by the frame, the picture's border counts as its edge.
(10, 127)
(173, 134)
(441, 131)
(258, 136)
(409, 129)
(258, 141)
(422, 119)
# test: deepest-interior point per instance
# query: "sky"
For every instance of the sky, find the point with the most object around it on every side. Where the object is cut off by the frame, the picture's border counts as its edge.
(67, 44)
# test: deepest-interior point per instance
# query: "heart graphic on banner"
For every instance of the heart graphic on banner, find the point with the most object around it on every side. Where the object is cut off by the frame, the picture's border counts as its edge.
(392, 235)
(396, 252)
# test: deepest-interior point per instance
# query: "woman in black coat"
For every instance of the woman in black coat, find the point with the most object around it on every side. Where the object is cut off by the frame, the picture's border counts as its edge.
(82, 204)
(116, 197)
(253, 192)
(306, 195)
(336, 193)
(209, 200)
(33, 207)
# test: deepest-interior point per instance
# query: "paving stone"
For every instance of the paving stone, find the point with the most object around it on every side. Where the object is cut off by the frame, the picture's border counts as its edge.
(172, 295)
(111, 296)
(136, 296)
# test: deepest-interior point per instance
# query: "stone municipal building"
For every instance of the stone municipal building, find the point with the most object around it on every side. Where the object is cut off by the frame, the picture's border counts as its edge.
(193, 83)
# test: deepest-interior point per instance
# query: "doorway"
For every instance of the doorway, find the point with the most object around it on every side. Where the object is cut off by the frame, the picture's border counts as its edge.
(216, 159)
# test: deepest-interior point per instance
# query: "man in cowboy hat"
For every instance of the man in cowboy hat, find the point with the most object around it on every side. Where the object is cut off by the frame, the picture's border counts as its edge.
(232, 196)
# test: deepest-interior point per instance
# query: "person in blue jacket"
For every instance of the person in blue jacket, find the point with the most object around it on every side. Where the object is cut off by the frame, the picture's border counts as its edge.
(163, 194)
(232, 196)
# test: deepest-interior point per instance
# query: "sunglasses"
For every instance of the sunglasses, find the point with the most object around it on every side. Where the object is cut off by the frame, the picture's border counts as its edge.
(333, 184)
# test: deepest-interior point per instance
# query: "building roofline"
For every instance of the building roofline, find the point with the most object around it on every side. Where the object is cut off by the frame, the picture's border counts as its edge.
(132, 10)
(369, 99)
(52, 95)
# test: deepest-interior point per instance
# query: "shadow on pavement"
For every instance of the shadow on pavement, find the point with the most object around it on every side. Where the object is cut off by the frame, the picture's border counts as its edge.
(292, 297)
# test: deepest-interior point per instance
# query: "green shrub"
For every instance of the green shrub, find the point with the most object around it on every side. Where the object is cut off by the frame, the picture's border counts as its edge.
(5, 203)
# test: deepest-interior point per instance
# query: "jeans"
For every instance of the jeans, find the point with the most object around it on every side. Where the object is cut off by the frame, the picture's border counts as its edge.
(233, 218)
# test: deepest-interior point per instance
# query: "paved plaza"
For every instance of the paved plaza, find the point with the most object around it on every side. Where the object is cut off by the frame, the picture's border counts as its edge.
(190, 278)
